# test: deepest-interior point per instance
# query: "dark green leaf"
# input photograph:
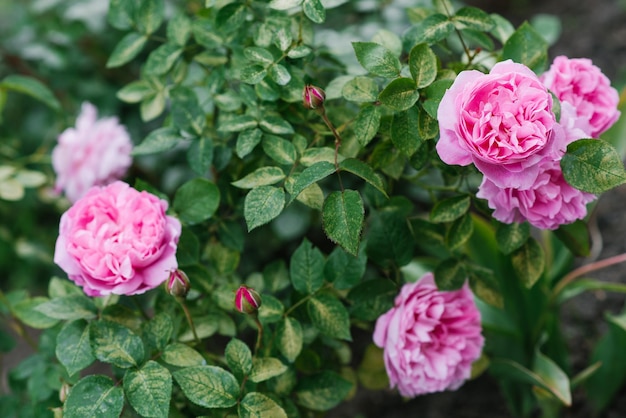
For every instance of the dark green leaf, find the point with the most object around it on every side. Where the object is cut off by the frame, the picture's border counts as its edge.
(157, 332)
(593, 165)
(257, 405)
(404, 131)
(528, 262)
(150, 14)
(288, 338)
(450, 274)
(473, 18)
(69, 308)
(329, 316)
(162, 59)
(576, 238)
(367, 123)
(247, 141)
(200, 155)
(94, 396)
(263, 176)
(433, 93)
(31, 87)
(449, 209)
(159, 140)
(73, 348)
(372, 298)
(400, 94)
(323, 391)
(26, 311)
(360, 89)
(196, 201)
(377, 59)
(239, 358)
(423, 65)
(512, 236)
(116, 344)
(430, 30)
(179, 29)
(389, 239)
(262, 204)
(460, 231)
(264, 368)
(121, 13)
(309, 176)
(230, 17)
(342, 219)
(345, 270)
(208, 386)
(279, 149)
(527, 47)
(306, 269)
(149, 389)
(364, 171)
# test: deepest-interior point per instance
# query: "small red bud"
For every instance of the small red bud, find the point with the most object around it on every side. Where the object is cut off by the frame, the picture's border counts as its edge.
(247, 300)
(313, 97)
(178, 284)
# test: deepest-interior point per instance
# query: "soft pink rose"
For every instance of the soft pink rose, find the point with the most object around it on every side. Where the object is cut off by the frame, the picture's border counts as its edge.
(117, 240)
(501, 121)
(94, 153)
(548, 204)
(578, 82)
(430, 338)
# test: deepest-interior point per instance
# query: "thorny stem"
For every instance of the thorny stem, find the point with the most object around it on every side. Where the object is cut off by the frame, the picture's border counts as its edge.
(259, 337)
(458, 32)
(571, 276)
(189, 320)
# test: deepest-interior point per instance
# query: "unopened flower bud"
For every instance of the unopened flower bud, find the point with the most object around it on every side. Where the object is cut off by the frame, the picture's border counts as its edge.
(313, 97)
(64, 391)
(178, 284)
(247, 300)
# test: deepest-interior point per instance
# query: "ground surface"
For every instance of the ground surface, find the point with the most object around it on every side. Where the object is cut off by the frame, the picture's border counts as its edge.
(595, 29)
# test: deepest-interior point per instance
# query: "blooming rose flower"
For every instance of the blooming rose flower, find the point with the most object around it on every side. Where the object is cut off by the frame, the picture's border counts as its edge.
(430, 338)
(578, 82)
(501, 121)
(117, 240)
(94, 153)
(548, 204)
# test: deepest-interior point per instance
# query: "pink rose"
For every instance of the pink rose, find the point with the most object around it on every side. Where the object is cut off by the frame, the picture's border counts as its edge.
(582, 84)
(548, 204)
(117, 240)
(430, 338)
(501, 121)
(94, 153)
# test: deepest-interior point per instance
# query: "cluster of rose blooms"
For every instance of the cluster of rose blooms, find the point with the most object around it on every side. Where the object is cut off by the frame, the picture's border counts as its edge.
(117, 240)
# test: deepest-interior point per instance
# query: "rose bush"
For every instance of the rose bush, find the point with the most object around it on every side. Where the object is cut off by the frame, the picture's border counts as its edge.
(95, 152)
(430, 338)
(117, 240)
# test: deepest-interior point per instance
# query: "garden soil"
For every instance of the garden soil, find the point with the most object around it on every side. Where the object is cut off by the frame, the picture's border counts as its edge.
(595, 29)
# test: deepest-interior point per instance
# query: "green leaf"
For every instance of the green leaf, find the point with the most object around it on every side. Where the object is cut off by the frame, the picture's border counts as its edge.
(367, 123)
(309, 176)
(288, 338)
(576, 238)
(510, 237)
(159, 140)
(153, 106)
(272, 310)
(239, 358)
(31, 87)
(200, 155)
(400, 94)
(404, 131)
(364, 171)
(120, 14)
(26, 311)
(258, 54)
(306, 269)
(377, 59)
(389, 239)
(284, 4)
(127, 49)
(208, 386)
(179, 29)
(554, 377)
(237, 123)
(528, 262)
(69, 308)
(360, 89)
(264, 368)
(593, 166)
(157, 332)
(196, 201)
(276, 125)
(136, 91)
(450, 274)
(150, 14)
(503, 29)
(247, 141)
(343, 269)
(342, 219)
(311, 156)
(181, 355)
(279, 149)
(73, 348)
(449, 209)
(230, 17)
(263, 176)
(252, 74)
(314, 10)
(262, 204)
(434, 28)
(116, 344)
(94, 396)
(527, 47)
(473, 18)
(433, 94)
(162, 59)
(149, 389)
(257, 405)
(323, 391)
(460, 231)
(329, 316)
(279, 74)
(372, 298)
(423, 65)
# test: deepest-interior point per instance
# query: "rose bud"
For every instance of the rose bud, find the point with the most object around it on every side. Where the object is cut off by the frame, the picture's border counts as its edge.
(313, 97)
(247, 300)
(178, 284)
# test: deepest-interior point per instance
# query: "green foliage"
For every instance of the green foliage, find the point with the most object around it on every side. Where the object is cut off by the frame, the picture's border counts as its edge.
(326, 212)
